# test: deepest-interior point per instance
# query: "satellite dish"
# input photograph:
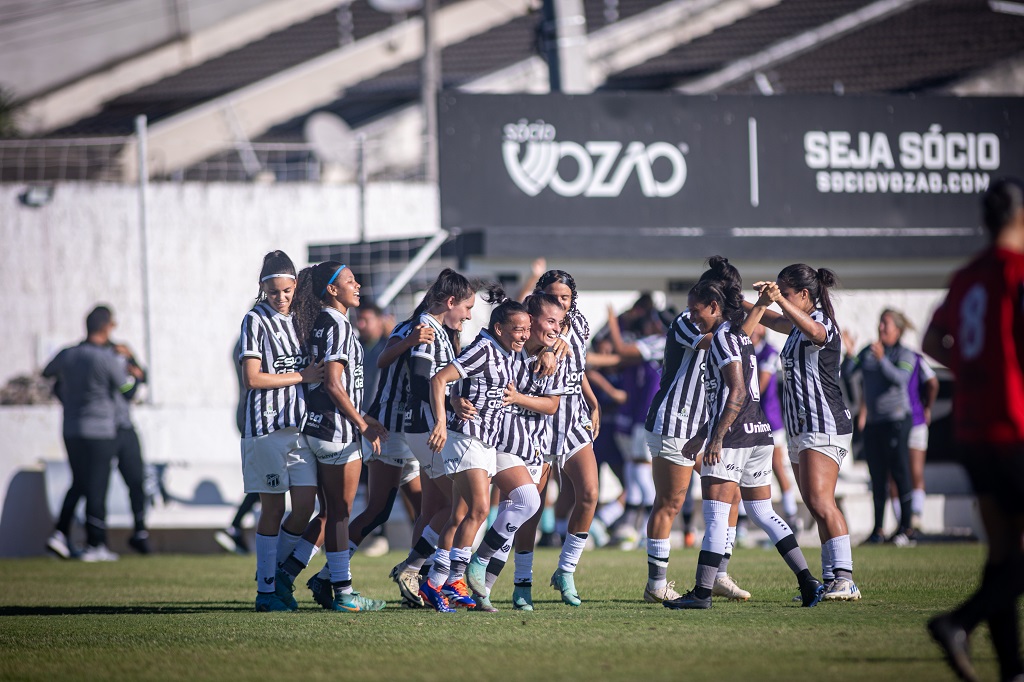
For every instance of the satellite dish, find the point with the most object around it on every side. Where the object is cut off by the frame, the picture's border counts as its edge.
(396, 6)
(332, 140)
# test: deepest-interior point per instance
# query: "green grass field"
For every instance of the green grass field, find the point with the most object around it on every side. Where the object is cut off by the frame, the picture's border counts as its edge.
(191, 617)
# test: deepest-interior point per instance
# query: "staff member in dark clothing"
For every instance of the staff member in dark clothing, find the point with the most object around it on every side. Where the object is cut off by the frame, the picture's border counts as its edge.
(90, 378)
(885, 367)
(129, 451)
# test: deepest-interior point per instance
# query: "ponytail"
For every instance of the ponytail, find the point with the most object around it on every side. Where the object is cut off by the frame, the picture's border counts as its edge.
(817, 282)
(506, 308)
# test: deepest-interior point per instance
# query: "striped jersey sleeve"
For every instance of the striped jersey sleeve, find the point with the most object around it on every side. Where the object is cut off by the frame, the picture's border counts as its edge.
(392, 394)
(439, 353)
(485, 370)
(526, 433)
(572, 425)
(678, 408)
(812, 401)
(270, 337)
(750, 427)
(333, 339)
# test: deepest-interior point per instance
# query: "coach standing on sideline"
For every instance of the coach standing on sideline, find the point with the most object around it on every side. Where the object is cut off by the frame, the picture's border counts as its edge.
(89, 377)
(978, 332)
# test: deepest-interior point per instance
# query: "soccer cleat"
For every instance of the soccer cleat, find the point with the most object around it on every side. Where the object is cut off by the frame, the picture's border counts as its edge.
(59, 545)
(483, 604)
(268, 601)
(323, 593)
(98, 553)
(375, 546)
(661, 594)
(140, 542)
(906, 538)
(231, 539)
(689, 539)
(432, 595)
(408, 581)
(954, 642)
(725, 587)
(564, 582)
(346, 602)
(458, 594)
(687, 601)
(367, 604)
(841, 589)
(811, 592)
(284, 585)
(522, 597)
(476, 575)
(875, 538)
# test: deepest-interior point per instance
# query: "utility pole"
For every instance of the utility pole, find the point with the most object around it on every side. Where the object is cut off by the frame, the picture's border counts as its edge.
(564, 38)
(431, 79)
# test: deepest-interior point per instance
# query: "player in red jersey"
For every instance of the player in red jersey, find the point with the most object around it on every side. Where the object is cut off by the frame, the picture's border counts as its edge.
(978, 332)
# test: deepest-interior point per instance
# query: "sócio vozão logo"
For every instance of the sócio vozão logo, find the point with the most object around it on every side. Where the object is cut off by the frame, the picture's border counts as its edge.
(602, 167)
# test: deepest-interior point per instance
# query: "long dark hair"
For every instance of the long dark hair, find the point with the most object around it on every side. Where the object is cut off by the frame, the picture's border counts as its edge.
(274, 263)
(1004, 198)
(728, 297)
(817, 282)
(506, 308)
(535, 303)
(449, 284)
(719, 268)
(572, 315)
(309, 296)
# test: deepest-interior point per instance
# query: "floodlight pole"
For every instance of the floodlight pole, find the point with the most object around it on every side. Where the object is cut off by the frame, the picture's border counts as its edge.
(143, 179)
(431, 82)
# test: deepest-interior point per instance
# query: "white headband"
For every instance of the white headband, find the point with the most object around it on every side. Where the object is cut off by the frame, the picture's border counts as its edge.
(280, 274)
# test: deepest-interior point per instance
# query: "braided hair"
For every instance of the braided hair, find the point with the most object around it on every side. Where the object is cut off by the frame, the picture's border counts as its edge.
(309, 296)
(572, 315)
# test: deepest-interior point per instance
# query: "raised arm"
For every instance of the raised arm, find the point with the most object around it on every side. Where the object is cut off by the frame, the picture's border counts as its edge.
(420, 334)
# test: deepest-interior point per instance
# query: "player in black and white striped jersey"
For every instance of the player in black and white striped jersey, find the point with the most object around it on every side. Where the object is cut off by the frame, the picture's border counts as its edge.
(274, 455)
(446, 305)
(335, 426)
(525, 436)
(483, 372)
(817, 420)
(739, 444)
(576, 425)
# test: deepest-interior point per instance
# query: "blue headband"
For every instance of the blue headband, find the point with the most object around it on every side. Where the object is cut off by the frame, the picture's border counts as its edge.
(331, 281)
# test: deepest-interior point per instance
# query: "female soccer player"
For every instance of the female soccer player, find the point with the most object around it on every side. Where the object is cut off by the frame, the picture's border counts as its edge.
(523, 439)
(739, 446)
(817, 420)
(447, 304)
(274, 455)
(467, 446)
(576, 425)
(334, 424)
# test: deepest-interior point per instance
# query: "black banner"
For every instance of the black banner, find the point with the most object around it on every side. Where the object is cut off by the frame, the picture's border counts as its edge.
(666, 165)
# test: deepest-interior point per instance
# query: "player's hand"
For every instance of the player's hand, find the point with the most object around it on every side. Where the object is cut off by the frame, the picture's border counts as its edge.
(510, 396)
(595, 421)
(538, 267)
(768, 293)
(463, 408)
(561, 349)
(546, 365)
(692, 447)
(374, 429)
(421, 334)
(437, 437)
(713, 455)
(312, 374)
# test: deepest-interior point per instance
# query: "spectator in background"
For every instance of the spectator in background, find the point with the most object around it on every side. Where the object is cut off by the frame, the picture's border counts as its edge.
(129, 451)
(922, 390)
(89, 380)
(885, 367)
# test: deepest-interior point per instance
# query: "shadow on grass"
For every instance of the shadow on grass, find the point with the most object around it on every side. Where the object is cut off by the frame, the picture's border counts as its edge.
(158, 608)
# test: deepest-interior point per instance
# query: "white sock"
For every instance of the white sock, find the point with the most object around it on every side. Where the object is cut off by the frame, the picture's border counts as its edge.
(352, 547)
(285, 544)
(431, 536)
(438, 575)
(524, 568)
(340, 565)
(610, 512)
(789, 502)
(917, 501)
(730, 542)
(842, 554)
(462, 556)
(305, 551)
(266, 562)
(828, 562)
(716, 526)
(762, 513)
(897, 508)
(572, 550)
(657, 553)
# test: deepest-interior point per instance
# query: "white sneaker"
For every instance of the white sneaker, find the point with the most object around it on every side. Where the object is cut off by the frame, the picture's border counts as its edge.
(97, 553)
(725, 587)
(663, 594)
(58, 544)
(841, 589)
(375, 546)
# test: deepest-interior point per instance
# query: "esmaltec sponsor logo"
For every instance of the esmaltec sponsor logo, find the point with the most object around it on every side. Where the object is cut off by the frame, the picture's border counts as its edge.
(934, 162)
(602, 167)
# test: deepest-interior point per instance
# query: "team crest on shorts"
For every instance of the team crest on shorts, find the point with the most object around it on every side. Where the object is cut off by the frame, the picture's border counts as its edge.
(273, 480)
